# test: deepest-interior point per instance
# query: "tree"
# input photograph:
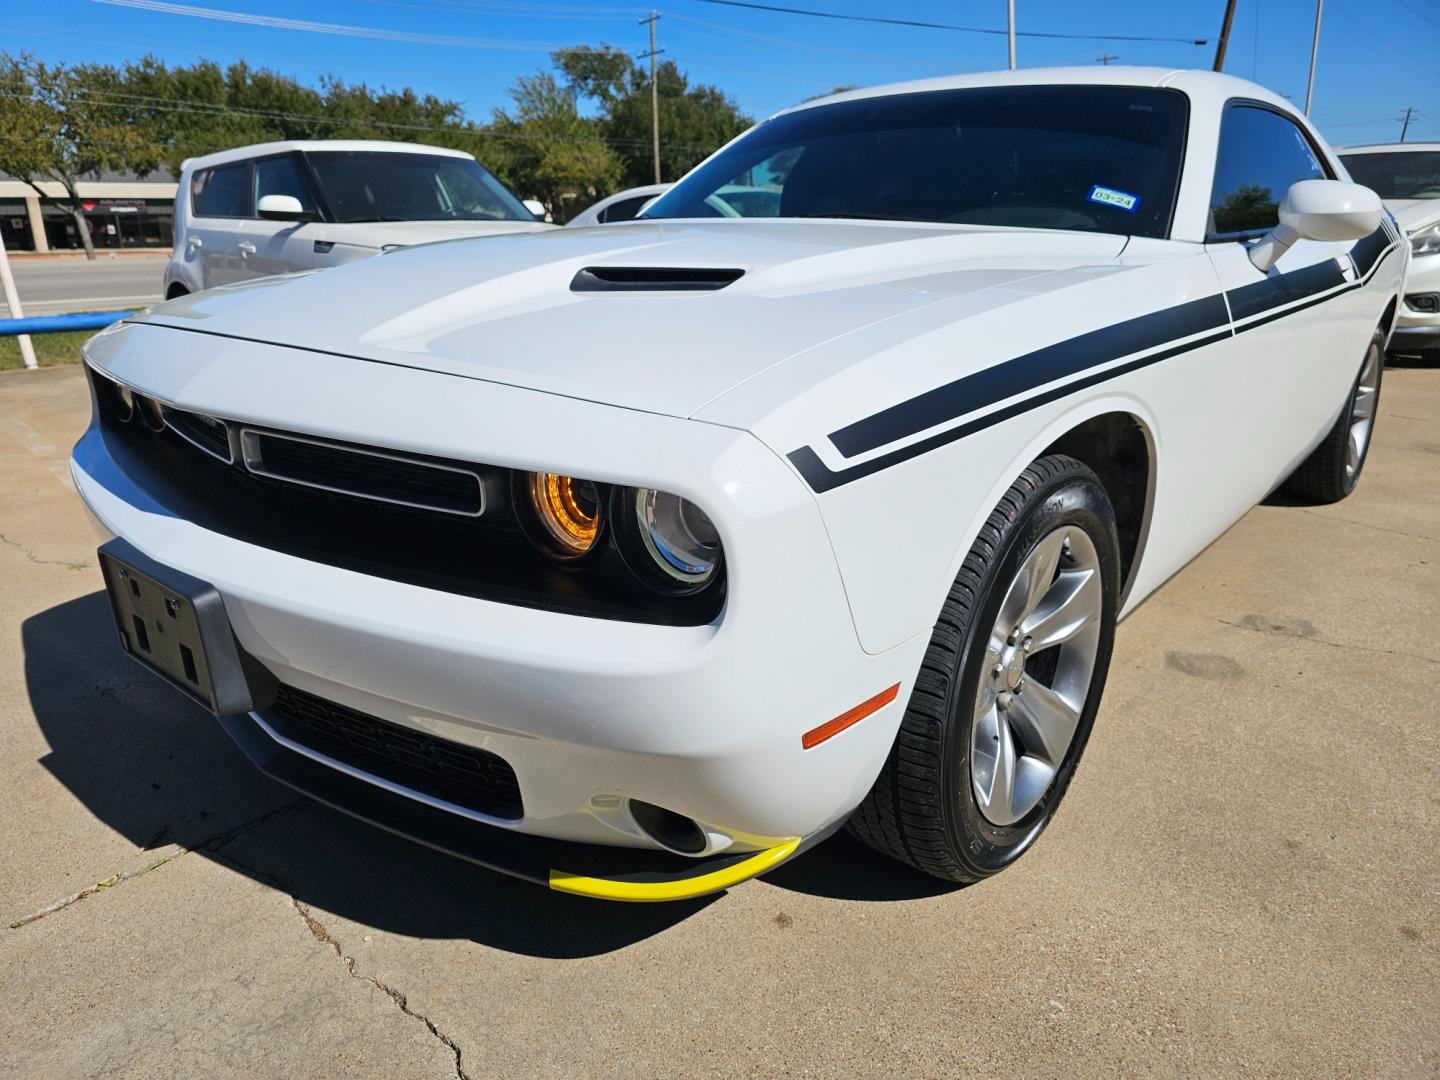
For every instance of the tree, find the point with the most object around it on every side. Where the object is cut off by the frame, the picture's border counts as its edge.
(58, 129)
(545, 149)
(694, 120)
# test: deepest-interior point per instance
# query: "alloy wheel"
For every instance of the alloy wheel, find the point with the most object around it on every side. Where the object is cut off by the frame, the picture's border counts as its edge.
(1362, 413)
(1039, 663)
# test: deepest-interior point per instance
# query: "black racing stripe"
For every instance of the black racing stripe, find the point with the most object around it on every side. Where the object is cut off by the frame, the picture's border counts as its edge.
(1024, 373)
(1281, 289)
(822, 478)
(1367, 252)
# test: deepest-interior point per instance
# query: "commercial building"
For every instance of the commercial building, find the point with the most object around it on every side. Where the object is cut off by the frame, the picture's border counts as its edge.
(122, 212)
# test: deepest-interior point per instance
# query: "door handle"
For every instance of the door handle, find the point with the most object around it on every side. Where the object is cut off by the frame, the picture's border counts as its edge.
(246, 248)
(195, 243)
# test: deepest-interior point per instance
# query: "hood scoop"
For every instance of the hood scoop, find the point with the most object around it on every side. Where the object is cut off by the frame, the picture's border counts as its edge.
(653, 279)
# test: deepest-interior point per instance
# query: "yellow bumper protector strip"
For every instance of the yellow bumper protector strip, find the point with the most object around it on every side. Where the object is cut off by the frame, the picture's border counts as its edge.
(678, 889)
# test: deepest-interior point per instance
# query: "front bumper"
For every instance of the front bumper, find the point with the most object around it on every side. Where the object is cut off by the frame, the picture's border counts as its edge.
(1418, 330)
(704, 721)
(593, 870)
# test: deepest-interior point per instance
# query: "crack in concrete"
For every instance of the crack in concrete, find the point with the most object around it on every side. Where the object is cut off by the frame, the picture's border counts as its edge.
(39, 561)
(1367, 525)
(213, 843)
(322, 935)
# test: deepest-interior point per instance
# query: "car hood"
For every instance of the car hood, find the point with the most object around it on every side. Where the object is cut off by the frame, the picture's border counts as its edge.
(503, 309)
(381, 234)
(1413, 214)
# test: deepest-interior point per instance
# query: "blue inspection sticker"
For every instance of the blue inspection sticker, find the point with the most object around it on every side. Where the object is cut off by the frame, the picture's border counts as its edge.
(1120, 200)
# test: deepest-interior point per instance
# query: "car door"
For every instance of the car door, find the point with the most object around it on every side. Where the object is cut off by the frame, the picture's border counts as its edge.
(277, 247)
(1296, 334)
(219, 198)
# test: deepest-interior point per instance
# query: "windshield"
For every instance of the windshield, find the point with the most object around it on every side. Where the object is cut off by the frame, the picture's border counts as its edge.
(360, 185)
(1091, 158)
(1404, 174)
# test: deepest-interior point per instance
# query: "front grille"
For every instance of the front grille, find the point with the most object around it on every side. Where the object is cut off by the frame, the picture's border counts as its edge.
(206, 432)
(463, 775)
(406, 481)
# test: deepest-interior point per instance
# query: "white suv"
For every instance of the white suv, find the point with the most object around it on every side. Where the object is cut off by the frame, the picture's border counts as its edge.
(279, 207)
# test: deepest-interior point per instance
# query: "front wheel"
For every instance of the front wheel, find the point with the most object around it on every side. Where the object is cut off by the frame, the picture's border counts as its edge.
(1008, 691)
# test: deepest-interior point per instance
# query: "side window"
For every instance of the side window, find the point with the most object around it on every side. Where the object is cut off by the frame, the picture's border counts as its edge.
(282, 176)
(221, 192)
(1261, 154)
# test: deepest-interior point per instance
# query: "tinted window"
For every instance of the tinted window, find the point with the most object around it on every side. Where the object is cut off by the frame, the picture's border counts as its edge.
(1261, 154)
(379, 186)
(625, 209)
(1093, 158)
(222, 192)
(282, 176)
(1408, 174)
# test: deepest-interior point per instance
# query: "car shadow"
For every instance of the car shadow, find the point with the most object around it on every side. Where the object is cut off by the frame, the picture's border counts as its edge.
(842, 868)
(159, 771)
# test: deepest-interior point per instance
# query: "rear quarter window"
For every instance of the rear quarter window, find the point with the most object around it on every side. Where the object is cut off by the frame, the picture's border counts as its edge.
(223, 191)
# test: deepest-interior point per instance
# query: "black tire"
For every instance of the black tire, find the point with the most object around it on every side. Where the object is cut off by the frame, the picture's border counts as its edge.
(1325, 477)
(922, 809)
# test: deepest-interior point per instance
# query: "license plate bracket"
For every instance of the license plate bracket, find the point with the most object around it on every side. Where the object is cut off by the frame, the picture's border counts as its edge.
(175, 625)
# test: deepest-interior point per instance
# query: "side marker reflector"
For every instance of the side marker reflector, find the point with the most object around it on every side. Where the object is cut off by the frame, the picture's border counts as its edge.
(831, 728)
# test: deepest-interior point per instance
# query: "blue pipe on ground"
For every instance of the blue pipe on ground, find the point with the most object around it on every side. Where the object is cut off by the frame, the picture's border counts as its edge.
(54, 324)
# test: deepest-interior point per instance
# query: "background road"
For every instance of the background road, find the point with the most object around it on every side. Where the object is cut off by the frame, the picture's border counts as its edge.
(61, 285)
(1244, 878)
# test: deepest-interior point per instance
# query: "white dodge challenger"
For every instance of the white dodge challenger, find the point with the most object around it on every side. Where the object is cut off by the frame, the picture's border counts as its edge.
(635, 560)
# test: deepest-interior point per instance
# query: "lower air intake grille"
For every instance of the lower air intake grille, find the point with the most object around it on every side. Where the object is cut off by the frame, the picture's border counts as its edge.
(475, 779)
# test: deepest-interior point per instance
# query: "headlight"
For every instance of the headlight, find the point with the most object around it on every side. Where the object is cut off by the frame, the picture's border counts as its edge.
(115, 397)
(1426, 241)
(566, 512)
(668, 541)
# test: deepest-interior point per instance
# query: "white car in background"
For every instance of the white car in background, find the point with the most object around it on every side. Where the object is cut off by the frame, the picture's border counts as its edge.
(622, 206)
(634, 560)
(1407, 177)
(282, 207)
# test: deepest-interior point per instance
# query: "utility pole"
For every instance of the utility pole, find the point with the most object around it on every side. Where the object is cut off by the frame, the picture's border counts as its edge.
(1314, 52)
(1105, 59)
(1409, 114)
(1224, 36)
(654, 93)
(1010, 9)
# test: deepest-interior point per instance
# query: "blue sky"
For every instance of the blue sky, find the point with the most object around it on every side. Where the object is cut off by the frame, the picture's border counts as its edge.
(1376, 56)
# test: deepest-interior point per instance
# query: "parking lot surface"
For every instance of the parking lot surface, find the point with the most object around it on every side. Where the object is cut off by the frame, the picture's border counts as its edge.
(1245, 876)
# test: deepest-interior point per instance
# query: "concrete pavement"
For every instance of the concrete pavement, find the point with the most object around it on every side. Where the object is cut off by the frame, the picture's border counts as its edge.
(1245, 877)
(56, 286)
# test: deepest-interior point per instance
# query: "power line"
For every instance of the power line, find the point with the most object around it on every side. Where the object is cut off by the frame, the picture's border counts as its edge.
(117, 100)
(919, 24)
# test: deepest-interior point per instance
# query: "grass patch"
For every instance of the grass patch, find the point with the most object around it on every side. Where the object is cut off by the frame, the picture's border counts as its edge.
(50, 349)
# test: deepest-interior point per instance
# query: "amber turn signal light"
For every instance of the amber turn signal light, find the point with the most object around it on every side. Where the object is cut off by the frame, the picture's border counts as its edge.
(815, 736)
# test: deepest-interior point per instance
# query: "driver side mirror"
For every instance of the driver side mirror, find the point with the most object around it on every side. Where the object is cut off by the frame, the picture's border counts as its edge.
(283, 208)
(1326, 210)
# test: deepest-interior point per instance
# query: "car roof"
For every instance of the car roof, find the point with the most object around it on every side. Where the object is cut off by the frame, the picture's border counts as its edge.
(1207, 86)
(1387, 148)
(241, 153)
